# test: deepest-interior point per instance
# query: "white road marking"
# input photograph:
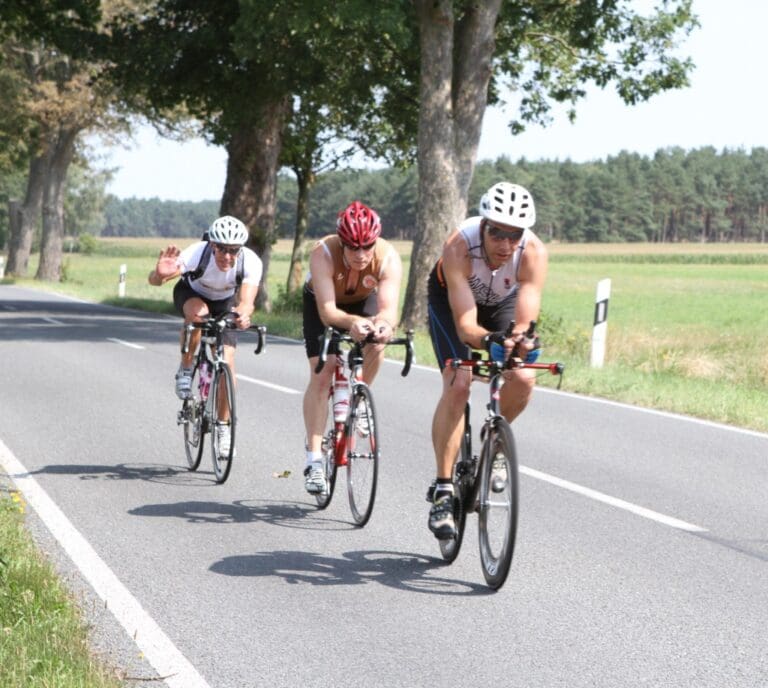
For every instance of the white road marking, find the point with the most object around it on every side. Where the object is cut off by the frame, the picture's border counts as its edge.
(124, 343)
(613, 501)
(271, 385)
(158, 649)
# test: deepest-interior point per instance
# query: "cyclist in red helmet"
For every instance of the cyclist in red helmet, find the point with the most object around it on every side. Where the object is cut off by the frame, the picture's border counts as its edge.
(353, 285)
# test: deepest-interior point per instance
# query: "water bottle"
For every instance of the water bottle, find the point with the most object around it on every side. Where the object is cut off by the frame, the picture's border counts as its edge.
(205, 379)
(340, 392)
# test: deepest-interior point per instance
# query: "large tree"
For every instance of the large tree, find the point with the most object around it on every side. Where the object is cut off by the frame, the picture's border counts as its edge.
(242, 69)
(55, 98)
(546, 51)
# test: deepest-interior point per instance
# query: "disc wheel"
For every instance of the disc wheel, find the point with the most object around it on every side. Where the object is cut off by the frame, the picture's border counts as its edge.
(191, 417)
(333, 432)
(223, 417)
(499, 491)
(362, 455)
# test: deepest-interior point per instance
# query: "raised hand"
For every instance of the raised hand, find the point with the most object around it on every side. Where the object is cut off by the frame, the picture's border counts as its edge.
(167, 262)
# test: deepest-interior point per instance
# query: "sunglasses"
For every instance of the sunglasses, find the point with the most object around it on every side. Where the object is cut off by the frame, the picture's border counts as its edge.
(499, 233)
(233, 251)
(366, 247)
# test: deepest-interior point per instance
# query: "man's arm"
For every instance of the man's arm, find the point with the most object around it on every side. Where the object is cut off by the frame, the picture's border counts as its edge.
(321, 267)
(532, 275)
(166, 268)
(388, 298)
(246, 304)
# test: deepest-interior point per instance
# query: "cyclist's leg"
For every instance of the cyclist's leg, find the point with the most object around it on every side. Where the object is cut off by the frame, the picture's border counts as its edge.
(447, 419)
(373, 355)
(315, 401)
(315, 404)
(194, 308)
(516, 392)
(518, 385)
(447, 425)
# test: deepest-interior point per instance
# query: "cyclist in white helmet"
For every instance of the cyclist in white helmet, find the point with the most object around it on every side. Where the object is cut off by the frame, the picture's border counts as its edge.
(491, 272)
(218, 275)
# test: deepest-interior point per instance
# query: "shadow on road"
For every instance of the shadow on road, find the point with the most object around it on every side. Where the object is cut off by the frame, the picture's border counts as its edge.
(400, 570)
(125, 471)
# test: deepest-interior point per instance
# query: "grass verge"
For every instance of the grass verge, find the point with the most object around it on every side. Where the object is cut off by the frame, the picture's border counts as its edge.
(43, 639)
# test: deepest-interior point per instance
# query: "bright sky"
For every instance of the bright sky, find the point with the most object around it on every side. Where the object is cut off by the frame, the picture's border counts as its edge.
(724, 107)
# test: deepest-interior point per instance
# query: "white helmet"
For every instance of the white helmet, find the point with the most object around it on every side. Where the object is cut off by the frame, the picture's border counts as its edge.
(228, 230)
(508, 204)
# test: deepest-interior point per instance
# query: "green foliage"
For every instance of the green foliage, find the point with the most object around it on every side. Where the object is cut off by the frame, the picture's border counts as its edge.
(87, 244)
(287, 302)
(134, 217)
(625, 198)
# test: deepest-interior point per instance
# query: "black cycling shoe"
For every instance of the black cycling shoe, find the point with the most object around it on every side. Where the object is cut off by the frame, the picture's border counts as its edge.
(441, 521)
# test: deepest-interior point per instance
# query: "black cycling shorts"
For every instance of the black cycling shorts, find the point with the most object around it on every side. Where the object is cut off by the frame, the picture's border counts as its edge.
(313, 327)
(442, 328)
(183, 292)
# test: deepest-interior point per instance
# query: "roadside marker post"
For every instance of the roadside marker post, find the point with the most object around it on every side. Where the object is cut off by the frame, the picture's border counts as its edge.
(121, 283)
(600, 326)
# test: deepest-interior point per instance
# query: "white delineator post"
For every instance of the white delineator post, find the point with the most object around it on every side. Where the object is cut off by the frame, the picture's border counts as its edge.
(600, 328)
(121, 283)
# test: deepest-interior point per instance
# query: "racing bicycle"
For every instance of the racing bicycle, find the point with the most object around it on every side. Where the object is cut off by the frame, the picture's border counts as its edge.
(353, 441)
(212, 400)
(488, 483)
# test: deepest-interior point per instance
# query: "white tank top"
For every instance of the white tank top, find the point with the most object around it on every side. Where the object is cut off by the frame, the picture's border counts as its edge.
(490, 287)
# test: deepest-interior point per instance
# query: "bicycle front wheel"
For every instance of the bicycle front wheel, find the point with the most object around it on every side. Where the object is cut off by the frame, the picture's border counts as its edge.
(362, 455)
(191, 418)
(499, 492)
(223, 422)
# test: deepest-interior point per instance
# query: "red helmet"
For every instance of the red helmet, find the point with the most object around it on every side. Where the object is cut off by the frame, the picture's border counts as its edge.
(358, 225)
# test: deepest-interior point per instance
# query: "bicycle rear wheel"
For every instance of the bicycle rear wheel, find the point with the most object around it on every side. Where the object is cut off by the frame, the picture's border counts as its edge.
(328, 447)
(192, 417)
(463, 475)
(222, 416)
(362, 455)
(499, 491)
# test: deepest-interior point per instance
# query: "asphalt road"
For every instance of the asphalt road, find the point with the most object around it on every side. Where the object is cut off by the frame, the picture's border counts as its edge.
(642, 554)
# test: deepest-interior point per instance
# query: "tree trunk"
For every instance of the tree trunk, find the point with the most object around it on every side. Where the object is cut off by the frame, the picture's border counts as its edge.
(23, 230)
(453, 96)
(305, 180)
(52, 240)
(474, 49)
(250, 191)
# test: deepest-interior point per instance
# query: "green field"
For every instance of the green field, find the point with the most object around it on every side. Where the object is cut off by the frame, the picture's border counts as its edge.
(686, 323)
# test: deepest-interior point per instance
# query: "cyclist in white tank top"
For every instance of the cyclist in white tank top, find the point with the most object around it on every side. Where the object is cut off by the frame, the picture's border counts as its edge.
(490, 286)
(491, 272)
